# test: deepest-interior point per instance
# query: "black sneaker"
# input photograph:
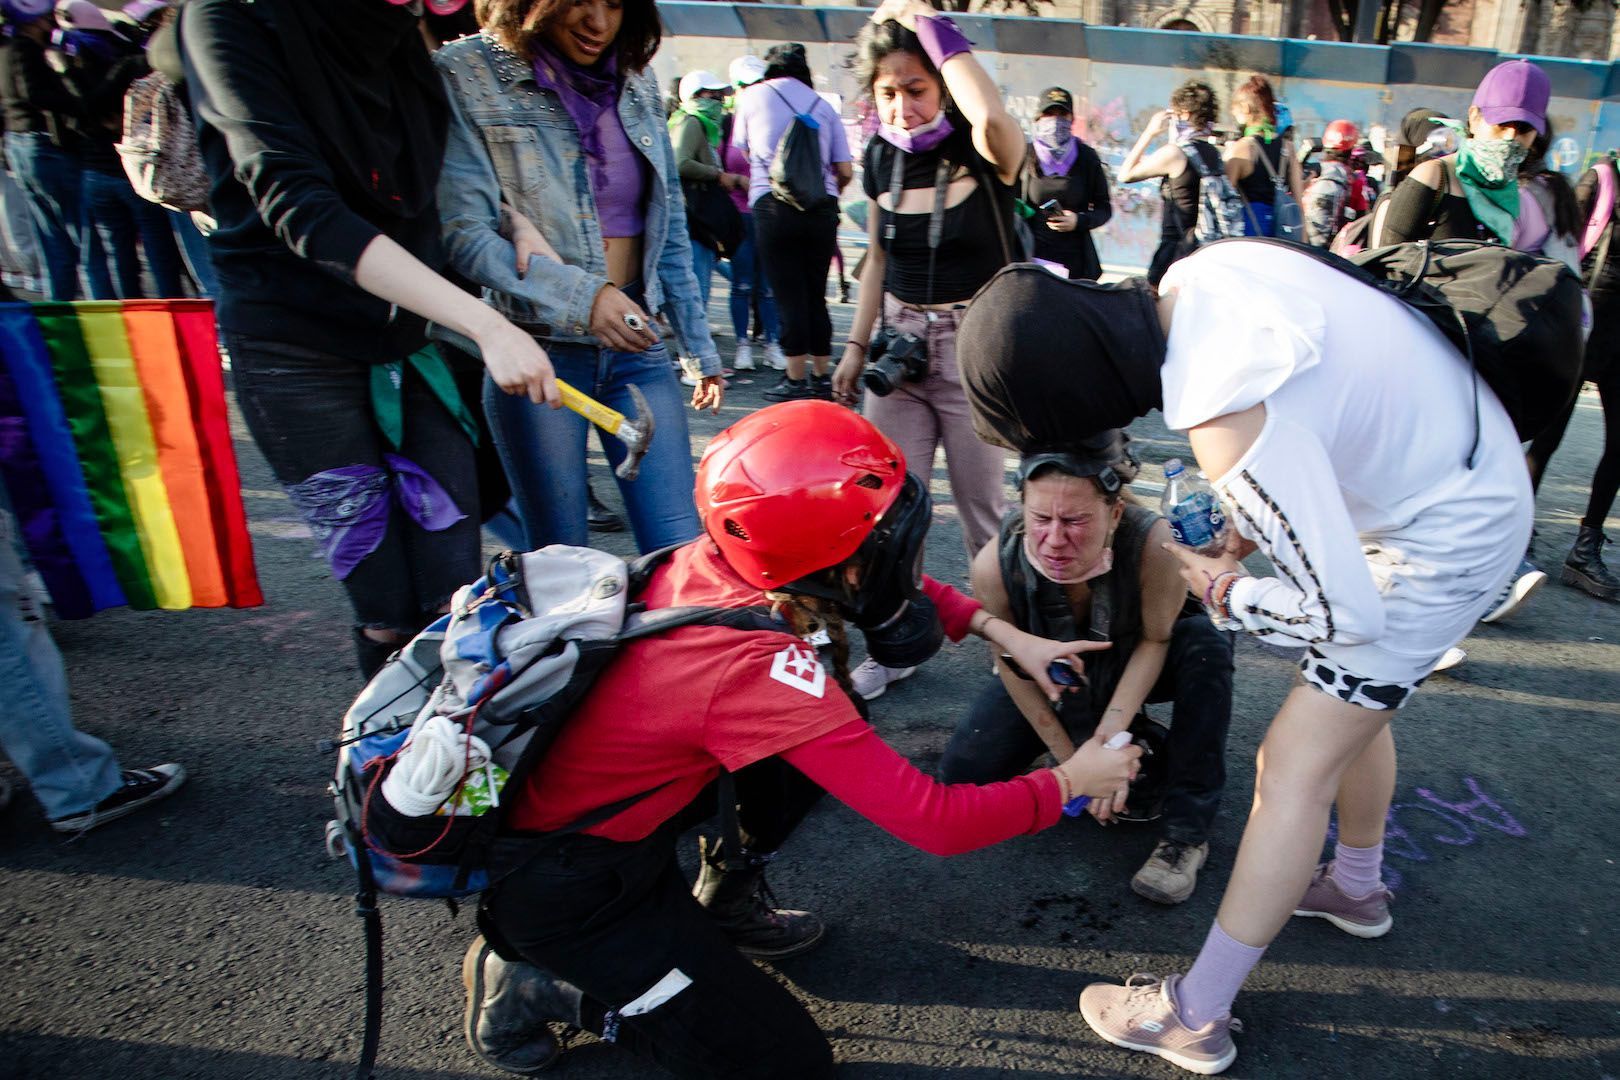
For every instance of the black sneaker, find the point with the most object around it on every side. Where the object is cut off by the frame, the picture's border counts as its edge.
(141, 787)
(791, 390)
(822, 385)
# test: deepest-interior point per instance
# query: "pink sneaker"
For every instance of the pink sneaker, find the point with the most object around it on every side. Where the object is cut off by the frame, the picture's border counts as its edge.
(1365, 917)
(1143, 1015)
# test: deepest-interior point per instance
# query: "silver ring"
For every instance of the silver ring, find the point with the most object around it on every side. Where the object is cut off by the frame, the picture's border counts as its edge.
(635, 322)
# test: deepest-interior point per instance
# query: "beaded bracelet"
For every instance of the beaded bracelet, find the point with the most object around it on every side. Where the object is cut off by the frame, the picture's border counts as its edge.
(1064, 791)
(1209, 590)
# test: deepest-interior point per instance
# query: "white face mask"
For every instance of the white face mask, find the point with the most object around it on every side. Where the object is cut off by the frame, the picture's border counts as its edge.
(1100, 566)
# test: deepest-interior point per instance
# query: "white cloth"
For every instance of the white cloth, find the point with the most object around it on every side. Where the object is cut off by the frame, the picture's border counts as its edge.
(1387, 546)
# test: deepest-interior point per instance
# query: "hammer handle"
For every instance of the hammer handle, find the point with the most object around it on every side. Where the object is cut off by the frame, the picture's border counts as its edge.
(591, 409)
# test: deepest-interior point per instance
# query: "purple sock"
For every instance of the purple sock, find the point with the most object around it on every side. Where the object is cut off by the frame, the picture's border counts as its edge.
(1216, 976)
(1357, 870)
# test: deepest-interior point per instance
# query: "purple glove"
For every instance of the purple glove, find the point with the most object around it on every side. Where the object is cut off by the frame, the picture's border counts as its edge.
(940, 39)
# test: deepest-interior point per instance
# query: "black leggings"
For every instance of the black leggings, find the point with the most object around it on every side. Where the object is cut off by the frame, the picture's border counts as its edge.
(616, 918)
(1606, 480)
(310, 412)
(796, 248)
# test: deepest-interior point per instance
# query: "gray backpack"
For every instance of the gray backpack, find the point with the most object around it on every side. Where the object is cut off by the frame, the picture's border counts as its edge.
(1220, 207)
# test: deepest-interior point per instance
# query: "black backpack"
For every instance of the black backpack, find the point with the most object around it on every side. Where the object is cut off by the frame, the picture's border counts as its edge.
(1516, 316)
(798, 176)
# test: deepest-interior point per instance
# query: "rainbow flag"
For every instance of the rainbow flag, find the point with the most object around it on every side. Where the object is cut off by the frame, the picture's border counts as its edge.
(116, 453)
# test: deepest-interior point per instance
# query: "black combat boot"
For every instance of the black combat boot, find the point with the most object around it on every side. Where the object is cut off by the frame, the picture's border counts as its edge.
(743, 905)
(510, 1008)
(1584, 568)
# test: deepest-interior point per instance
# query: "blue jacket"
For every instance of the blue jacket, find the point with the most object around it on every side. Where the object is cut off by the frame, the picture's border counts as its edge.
(511, 140)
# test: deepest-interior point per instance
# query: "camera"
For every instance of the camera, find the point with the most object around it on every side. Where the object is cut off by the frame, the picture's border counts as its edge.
(892, 357)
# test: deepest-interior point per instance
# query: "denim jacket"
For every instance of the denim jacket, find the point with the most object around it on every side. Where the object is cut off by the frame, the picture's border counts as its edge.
(509, 139)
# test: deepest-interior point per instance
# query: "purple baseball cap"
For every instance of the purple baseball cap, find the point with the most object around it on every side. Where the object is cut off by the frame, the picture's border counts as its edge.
(1515, 91)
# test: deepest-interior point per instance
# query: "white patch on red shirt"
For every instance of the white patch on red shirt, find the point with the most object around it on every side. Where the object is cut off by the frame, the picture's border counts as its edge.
(797, 666)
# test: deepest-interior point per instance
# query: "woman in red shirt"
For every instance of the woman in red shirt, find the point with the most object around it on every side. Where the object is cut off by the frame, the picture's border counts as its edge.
(808, 510)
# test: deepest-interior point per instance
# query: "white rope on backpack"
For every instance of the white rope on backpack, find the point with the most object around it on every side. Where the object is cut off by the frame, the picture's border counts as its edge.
(431, 766)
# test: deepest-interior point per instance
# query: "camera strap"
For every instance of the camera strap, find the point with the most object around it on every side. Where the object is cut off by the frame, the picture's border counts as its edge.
(936, 225)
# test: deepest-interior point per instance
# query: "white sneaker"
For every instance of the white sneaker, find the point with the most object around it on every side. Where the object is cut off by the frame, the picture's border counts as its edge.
(775, 358)
(1453, 657)
(871, 679)
(745, 357)
(1525, 582)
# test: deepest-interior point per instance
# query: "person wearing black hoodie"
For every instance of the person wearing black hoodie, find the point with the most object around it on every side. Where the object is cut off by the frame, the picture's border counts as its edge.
(322, 128)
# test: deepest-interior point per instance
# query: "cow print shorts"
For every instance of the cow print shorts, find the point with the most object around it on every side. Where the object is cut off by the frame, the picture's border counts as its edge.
(1335, 681)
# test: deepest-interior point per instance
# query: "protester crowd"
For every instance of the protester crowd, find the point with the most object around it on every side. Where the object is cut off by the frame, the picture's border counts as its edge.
(421, 235)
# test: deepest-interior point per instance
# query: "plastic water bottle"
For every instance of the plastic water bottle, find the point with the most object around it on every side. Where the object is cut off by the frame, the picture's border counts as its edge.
(1197, 519)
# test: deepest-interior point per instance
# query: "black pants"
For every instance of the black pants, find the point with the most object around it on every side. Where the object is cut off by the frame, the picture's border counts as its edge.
(995, 742)
(1606, 373)
(796, 249)
(310, 412)
(614, 919)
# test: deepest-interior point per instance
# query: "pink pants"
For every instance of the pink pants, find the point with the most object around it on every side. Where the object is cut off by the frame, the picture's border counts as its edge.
(922, 416)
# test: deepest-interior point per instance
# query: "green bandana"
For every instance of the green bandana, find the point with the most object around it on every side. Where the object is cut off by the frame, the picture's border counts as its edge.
(387, 394)
(1265, 131)
(708, 111)
(1489, 172)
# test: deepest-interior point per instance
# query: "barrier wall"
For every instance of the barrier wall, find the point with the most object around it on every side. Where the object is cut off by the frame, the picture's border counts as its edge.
(1120, 77)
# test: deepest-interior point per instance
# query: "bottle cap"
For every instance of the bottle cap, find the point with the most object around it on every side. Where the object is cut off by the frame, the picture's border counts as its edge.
(1172, 468)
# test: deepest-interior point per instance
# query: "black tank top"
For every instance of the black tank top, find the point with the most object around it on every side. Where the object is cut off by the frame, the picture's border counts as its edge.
(1257, 186)
(1180, 193)
(1040, 607)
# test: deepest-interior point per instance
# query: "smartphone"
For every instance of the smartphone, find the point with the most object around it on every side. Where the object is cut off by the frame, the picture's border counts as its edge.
(1050, 206)
(1059, 671)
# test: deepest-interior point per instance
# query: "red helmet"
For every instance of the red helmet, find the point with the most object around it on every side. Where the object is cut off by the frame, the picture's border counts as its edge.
(1341, 135)
(795, 488)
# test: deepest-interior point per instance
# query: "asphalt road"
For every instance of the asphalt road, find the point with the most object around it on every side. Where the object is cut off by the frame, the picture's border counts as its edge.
(213, 938)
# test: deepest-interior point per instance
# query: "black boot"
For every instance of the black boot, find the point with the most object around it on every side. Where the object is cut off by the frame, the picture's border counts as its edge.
(598, 516)
(1584, 568)
(510, 1007)
(740, 901)
(372, 655)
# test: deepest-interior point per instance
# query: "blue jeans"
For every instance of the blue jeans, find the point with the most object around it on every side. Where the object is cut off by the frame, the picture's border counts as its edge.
(50, 182)
(69, 771)
(704, 260)
(543, 449)
(194, 251)
(128, 225)
(747, 275)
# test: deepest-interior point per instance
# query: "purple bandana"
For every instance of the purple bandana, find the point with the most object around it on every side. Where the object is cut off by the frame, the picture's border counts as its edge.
(586, 93)
(347, 508)
(1057, 162)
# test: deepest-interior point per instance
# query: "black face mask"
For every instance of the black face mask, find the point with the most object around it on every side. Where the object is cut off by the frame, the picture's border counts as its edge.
(901, 626)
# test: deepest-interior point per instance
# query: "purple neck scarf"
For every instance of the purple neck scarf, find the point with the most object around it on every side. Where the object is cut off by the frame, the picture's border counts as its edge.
(586, 93)
(1057, 162)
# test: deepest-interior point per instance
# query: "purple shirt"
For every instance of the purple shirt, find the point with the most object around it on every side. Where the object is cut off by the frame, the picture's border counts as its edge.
(762, 117)
(621, 203)
(734, 160)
